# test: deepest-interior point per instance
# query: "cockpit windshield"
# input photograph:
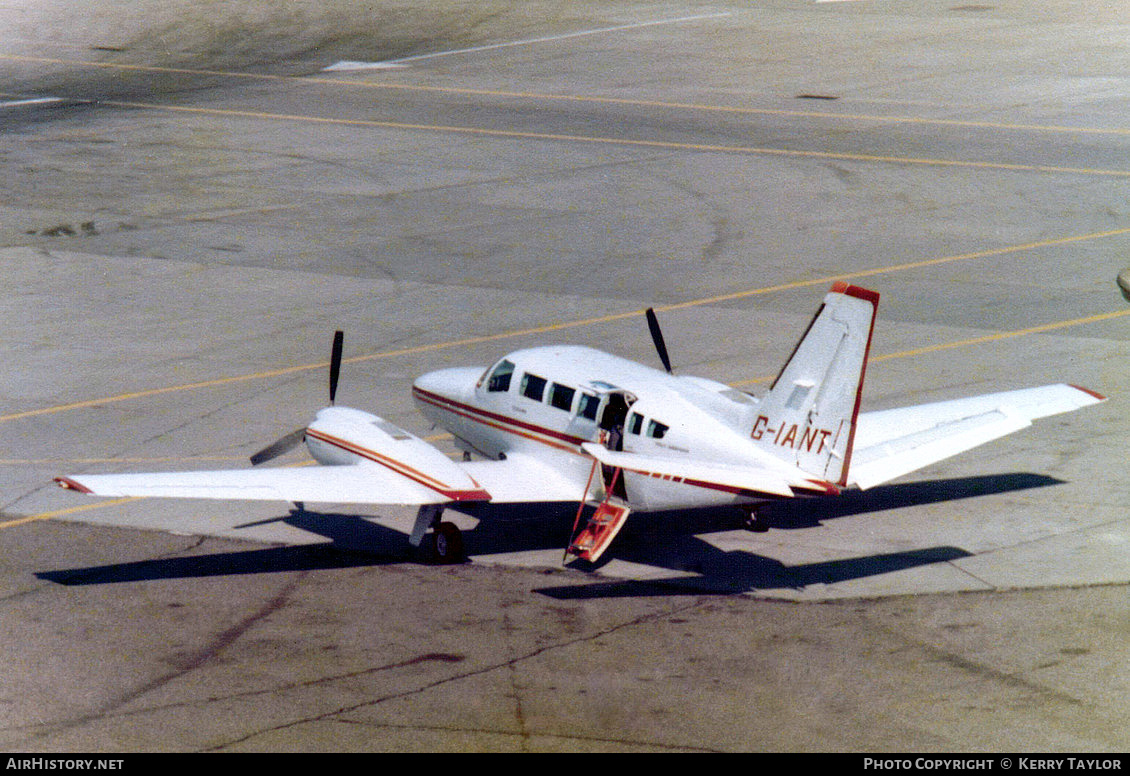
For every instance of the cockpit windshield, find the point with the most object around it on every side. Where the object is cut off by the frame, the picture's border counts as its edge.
(499, 380)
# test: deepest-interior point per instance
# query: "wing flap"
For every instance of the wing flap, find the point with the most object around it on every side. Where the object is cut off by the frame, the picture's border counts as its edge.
(521, 479)
(891, 443)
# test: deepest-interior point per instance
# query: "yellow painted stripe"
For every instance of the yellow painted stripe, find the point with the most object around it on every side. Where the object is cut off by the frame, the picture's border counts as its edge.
(965, 343)
(856, 275)
(63, 512)
(1005, 335)
(584, 322)
(158, 391)
(889, 356)
(356, 83)
(668, 145)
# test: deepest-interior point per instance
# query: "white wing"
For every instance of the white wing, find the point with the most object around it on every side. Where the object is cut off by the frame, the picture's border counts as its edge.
(518, 479)
(891, 443)
(388, 468)
(357, 484)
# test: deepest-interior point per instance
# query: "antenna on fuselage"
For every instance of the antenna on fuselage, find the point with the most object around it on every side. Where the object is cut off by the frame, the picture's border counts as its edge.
(657, 338)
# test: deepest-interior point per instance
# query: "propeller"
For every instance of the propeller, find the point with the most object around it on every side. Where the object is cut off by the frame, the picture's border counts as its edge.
(295, 438)
(281, 446)
(335, 363)
(657, 338)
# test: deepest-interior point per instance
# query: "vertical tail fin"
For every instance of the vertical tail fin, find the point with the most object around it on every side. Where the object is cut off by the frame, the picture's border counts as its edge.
(808, 417)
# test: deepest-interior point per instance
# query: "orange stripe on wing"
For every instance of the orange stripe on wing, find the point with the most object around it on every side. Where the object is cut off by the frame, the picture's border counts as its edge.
(404, 470)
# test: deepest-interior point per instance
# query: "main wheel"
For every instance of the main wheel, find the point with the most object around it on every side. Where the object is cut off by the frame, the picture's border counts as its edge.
(756, 523)
(447, 543)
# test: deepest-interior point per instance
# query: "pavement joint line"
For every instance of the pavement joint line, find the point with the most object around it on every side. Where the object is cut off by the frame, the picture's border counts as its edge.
(613, 317)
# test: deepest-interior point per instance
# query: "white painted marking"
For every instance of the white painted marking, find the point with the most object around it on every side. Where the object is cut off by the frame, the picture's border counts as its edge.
(346, 65)
(30, 101)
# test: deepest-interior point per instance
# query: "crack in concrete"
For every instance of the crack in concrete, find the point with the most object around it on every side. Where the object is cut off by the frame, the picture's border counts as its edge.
(981, 670)
(508, 664)
(202, 656)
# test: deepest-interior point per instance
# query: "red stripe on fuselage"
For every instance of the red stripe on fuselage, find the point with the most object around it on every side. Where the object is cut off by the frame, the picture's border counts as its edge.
(528, 431)
(525, 430)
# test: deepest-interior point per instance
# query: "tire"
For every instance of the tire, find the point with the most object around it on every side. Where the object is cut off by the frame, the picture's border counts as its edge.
(447, 544)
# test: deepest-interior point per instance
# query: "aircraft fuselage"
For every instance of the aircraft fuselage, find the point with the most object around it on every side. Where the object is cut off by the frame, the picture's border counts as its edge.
(549, 401)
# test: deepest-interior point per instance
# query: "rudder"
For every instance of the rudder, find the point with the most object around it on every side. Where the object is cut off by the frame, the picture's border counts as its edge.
(808, 417)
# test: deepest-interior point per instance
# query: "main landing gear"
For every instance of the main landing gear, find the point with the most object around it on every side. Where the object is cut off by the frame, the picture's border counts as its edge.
(445, 544)
(754, 522)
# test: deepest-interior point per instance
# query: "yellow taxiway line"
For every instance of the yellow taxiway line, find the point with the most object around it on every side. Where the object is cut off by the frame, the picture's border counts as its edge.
(888, 356)
(355, 83)
(584, 322)
(63, 512)
(823, 115)
(965, 343)
(667, 145)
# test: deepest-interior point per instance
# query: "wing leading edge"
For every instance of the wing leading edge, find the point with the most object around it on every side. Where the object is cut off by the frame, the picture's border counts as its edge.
(891, 443)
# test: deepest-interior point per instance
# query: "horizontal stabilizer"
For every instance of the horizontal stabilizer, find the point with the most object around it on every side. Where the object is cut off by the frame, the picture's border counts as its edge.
(891, 443)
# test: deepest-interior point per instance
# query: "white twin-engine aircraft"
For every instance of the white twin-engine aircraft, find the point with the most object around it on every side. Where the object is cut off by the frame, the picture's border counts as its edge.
(571, 424)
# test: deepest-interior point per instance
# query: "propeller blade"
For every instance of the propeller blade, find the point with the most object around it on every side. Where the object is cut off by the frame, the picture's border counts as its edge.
(657, 338)
(335, 364)
(284, 445)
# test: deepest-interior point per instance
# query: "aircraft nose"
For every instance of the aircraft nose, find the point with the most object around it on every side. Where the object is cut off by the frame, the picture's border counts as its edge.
(456, 384)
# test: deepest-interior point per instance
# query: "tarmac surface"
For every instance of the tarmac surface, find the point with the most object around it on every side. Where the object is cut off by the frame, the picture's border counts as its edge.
(197, 194)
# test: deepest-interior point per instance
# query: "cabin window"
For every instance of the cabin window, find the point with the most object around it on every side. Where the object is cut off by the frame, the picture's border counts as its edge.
(588, 406)
(500, 378)
(561, 397)
(635, 423)
(656, 430)
(533, 387)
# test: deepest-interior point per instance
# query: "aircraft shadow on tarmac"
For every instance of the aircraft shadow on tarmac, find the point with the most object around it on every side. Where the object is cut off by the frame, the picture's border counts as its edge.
(353, 542)
(665, 540)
